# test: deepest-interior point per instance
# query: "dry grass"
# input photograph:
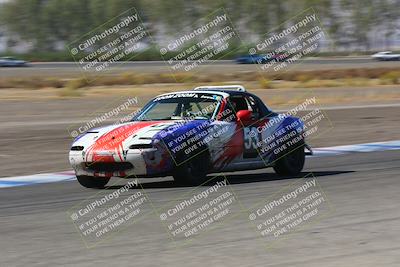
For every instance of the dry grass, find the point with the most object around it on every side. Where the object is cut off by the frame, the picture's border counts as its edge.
(72, 88)
(304, 78)
(318, 83)
(316, 78)
(69, 92)
(32, 83)
(77, 83)
(265, 83)
(283, 93)
(392, 77)
(369, 73)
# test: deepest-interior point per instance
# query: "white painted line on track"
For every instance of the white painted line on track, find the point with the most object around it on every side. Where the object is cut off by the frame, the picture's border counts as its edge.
(346, 149)
(318, 152)
(37, 179)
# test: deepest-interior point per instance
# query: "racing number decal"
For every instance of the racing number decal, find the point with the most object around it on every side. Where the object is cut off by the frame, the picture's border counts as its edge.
(251, 138)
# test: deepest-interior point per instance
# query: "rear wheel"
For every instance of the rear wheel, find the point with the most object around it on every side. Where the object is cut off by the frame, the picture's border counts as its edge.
(291, 163)
(92, 182)
(194, 170)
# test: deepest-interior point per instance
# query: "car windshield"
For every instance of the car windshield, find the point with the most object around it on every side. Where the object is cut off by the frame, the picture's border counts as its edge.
(196, 106)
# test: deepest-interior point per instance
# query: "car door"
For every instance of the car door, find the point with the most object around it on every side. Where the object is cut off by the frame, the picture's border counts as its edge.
(247, 128)
(238, 148)
(251, 130)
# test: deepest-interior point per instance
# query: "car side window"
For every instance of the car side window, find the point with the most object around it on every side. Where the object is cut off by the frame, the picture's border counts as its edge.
(238, 103)
(242, 102)
(253, 106)
(246, 102)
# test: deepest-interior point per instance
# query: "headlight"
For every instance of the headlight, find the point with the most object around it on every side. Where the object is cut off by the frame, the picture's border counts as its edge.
(77, 148)
(141, 146)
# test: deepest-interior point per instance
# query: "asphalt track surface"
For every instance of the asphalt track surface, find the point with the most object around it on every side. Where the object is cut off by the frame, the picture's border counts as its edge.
(361, 228)
(71, 68)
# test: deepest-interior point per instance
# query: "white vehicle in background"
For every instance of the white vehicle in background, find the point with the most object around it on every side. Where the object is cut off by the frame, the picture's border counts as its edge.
(12, 62)
(386, 56)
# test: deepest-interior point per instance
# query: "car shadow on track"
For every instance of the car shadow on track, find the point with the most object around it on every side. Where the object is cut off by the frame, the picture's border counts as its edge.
(265, 177)
(236, 179)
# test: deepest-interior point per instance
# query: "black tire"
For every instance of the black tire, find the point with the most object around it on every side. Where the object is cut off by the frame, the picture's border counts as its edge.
(193, 171)
(291, 163)
(92, 182)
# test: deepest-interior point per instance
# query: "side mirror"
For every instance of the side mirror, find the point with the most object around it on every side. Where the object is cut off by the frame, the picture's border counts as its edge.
(244, 115)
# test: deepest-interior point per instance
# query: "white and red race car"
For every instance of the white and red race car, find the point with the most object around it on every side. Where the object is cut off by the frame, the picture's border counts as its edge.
(190, 134)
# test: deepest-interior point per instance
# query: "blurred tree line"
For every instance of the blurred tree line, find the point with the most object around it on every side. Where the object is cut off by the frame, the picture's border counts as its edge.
(350, 24)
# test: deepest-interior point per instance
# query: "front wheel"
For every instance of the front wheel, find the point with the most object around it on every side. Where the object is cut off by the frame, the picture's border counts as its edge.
(193, 171)
(292, 163)
(92, 182)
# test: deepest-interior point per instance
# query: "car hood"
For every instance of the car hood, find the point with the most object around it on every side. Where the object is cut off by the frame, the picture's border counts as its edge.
(117, 138)
(137, 132)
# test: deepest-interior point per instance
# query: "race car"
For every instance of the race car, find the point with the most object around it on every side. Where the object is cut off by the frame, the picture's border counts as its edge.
(260, 59)
(386, 56)
(190, 134)
(12, 62)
